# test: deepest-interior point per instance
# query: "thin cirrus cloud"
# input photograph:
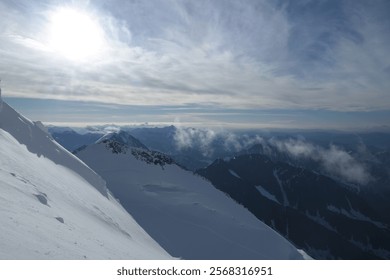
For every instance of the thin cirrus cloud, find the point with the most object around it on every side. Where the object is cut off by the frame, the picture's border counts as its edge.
(236, 55)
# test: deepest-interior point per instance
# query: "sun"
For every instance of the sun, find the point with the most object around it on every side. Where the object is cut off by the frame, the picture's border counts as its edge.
(75, 34)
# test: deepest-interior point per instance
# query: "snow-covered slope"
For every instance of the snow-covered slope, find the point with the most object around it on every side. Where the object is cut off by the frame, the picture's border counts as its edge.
(38, 141)
(50, 210)
(184, 213)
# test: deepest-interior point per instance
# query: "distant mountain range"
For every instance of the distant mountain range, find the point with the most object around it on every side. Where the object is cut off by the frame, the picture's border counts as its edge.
(326, 192)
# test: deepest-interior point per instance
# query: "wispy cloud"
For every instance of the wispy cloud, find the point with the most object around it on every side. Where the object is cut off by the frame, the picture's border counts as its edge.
(329, 55)
(333, 160)
(200, 139)
(207, 140)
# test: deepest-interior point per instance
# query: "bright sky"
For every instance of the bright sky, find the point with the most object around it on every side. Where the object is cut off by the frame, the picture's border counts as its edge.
(296, 63)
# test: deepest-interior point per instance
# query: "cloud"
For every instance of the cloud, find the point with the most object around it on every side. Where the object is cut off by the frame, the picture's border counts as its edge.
(334, 160)
(207, 141)
(225, 54)
(235, 143)
(193, 138)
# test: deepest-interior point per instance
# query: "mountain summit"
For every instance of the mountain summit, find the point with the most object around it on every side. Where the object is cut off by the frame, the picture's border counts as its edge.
(122, 138)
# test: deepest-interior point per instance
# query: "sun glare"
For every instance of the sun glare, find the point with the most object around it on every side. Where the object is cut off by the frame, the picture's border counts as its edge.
(75, 34)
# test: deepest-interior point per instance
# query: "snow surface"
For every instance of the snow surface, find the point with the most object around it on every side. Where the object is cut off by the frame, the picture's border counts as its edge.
(183, 212)
(50, 211)
(280, 183)
(267, 194)
(234, 174)
(39, 142)
(320, 220)
(355, 215)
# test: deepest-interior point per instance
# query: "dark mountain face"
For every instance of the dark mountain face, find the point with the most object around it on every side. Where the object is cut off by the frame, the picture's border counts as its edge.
(328, 219)
(374, 159)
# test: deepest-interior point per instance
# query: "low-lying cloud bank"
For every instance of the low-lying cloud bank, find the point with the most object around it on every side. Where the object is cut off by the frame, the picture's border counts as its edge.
(332, 160)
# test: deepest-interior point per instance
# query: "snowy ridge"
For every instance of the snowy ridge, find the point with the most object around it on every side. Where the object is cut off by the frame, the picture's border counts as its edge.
(49, 211)
(152, 157)
(122, 138)
(184, 213)
(39, 142)
(121, 143)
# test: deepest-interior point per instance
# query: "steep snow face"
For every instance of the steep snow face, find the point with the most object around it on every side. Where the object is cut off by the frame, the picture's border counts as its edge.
(39, 142)
(184, 213)
(49, 211)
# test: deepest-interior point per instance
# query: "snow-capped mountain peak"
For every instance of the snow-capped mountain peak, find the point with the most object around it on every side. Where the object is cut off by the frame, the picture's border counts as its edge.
(122, 143)
(183, 212)
(122, 137)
